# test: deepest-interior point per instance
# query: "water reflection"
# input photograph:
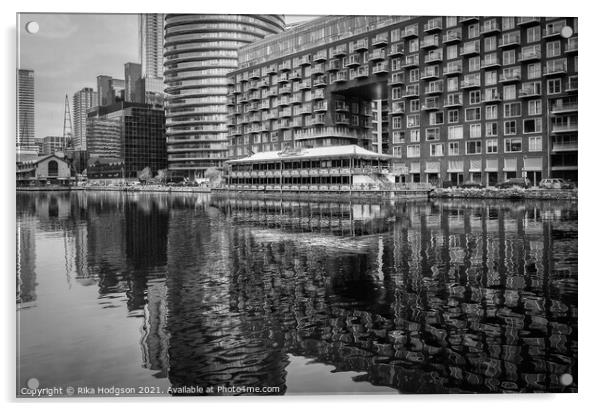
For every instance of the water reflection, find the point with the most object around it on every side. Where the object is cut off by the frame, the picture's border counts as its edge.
(421, 297)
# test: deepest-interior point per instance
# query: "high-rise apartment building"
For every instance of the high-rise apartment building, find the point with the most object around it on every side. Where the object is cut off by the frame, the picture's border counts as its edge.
(150, 28)
(200, 50)
(458, 99)
(110, 90)
(25, 110)
(83, 100)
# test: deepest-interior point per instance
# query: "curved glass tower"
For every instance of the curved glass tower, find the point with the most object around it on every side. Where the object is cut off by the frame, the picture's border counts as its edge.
(200, 50)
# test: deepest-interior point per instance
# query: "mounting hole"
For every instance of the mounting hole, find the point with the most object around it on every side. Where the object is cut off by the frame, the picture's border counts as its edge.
(32, 27)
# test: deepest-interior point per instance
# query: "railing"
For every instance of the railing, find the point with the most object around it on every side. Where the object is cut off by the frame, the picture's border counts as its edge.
(559, 108)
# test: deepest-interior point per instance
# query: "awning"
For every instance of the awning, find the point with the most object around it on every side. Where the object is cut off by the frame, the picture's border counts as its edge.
(475, 165)
(414, 167)
(533, 164)
(491, 165)
(510, 164)
(432, 167)
(455, 166)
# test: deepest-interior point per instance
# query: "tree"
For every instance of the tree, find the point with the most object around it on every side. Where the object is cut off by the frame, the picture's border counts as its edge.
(213, 174)
(162, 175)
(145, 175)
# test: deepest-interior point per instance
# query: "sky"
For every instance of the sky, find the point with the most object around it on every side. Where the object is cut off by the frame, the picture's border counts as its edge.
(69, 51)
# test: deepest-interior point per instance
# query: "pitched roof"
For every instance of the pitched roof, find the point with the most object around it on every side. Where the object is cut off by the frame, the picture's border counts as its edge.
(329, 151)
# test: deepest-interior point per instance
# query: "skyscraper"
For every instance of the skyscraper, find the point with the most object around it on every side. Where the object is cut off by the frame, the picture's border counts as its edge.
(200, 50)
(25, 110)
(106, 94)
(83, 100)
(150, 28)
(134, 89)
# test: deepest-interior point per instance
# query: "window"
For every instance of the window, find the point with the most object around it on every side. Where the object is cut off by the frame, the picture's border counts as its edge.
(534, 70)
(414, 136)
(451, 21)
(490, 43)
(491, 146)
(453, 148)
(533, 34)
(532, 125)
(452, 52)
(413, 151)
(490, 129)
(492, 94)
(436, 118)
(535, 143)
(473, 147)
(455, 132)
(472, 114)
(452, 84)
(414, 75)
(396, 64)
(475, 130)
(432, 134)
(509, 127)
(437, 150)
(508, 23)
(554, 86)
(534, 107)
(398, 151)
(508, 57)
(474, 97)
(512, 110)
(398, 137)
(414, 105)
(413, 120)
(473, 31)
(413, 45)
(453, 116)
(396, 93)
(490, 112)
(553, 49)
(395, 35)
(397, 122)
(490, 78)
(510, 92)
(513, 145)
(474, 63)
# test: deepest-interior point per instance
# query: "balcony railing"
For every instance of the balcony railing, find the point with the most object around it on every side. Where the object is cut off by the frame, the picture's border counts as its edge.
(377, 55)
(433, 57)
(434, 88)
(410, 31)
(490, 27)
(360, 45)
(353, 60)
(509, 77)
(341, 76)
(529, 92)
(429, 41)
(470, 48)
(380, 39)
(380, 68)
(564, 127)
(527, 21)
(411, 61)
(553, 67)
(470, 83)
(312, 133)
(429, 72)
(320, 56)
(397, 49)
(527, 55)
(571, 45)
(492, 61)
(510, 40)
(432, 25)
(565, 147)
(563, 108)
(452, 37)
(452, 68)
(334, 65)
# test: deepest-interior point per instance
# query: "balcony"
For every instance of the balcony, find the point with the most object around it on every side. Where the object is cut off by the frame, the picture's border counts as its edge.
(285, 90)
(340, 51)
(340, 105)
(254, 96)
(553, 68)
(559, 147)
(470, 83)
(283, 78)
(434, 88)
(320, 56)
(377, 55)
(253, 85)
(572, 84)
(353, 60)
(470, 49)
(295, 75)
(452, 37)
(453, 101)
(255, 74)
(430, 104)
(381, 39)
(528, 55)
(272, 69)
(528, 92)
(341, 77)
(397, 49)
(429, 42)
(317, 95)
(510, 40)
(563, 108)
(318, 69)
(565, 127)
(305, 85)
(334, 65)
(318, 121)
(550, 32)
(297, 123)
(429, 73)
(296, 98)
(284, 66)
(396, 78)
(305, 60)
(468, 19)
(231, 101)
(510, 77)
(285, 113)
(452, 69)
(265, 104)
(492, 98)
(527, 21)
(237, 89)
(264, 84)
(432, 25)
(411, 61)
(305, 109)
(283, 101)
(433, 57)
(490, 26)
(341, 119)
(362, 72)
(411, 91)
(380, 68)
(410, 31)
(491, 61)
(360, 45)
(320, 81)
